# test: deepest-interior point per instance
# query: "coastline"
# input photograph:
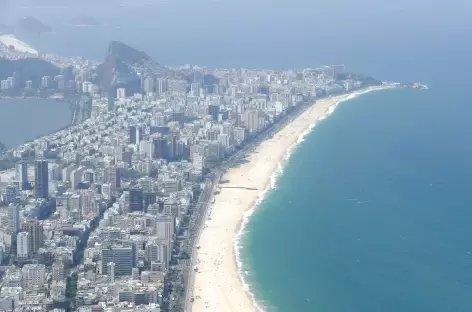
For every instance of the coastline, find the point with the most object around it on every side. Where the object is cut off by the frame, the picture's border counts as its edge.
(55, 97)
(11, 40)
(220, 283)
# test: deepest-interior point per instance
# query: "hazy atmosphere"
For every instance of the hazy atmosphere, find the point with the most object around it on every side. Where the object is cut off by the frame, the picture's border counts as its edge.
(276, 33)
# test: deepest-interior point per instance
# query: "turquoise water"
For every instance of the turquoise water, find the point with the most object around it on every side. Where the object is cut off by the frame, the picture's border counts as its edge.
(26, 119)
(372, 211)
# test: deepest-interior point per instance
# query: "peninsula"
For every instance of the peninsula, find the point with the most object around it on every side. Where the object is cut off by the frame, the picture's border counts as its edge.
(129, 198)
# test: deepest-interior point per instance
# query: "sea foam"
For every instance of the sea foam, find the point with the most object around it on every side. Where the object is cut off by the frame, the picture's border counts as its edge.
(243, 271)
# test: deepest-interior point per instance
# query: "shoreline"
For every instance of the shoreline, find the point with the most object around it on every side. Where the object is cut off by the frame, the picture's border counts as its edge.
(220, 283)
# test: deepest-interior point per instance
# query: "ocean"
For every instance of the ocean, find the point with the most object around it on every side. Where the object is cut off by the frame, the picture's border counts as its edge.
(371, 210)
(23, 120)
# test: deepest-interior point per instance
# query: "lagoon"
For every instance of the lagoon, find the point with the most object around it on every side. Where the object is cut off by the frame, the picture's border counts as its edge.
(23, 120)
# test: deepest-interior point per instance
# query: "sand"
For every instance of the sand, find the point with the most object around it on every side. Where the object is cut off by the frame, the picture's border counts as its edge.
(20, 46)
(217, 285)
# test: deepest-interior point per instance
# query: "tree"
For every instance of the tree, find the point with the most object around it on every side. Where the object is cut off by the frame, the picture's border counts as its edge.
(3, 148)
(71, 286)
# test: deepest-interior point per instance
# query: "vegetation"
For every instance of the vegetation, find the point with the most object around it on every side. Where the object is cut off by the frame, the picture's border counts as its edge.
(366, 80)
(185, 255)
(71, 286)
(8, 161)
(3, 148)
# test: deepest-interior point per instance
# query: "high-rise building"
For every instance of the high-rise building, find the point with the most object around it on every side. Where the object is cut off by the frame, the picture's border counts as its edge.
(135, 199)
(159, 147)
(251, 120)
(123, 257)
(35, 234)
(111, 272)
(195, 88)
(75, 204)
(76, 177)
(22, 251)
(161, 86)
(111, 104)
(111, 177)
(165, 227)
(88, 201)
(33, 275)
(136, 134)
(149, 198)
(158, 120)
(4, 85)
(46, 81)
(149, 85)
(22, 175)
(157, 253)
(13, 218)
(121, 93)
(214, 111)
(11, 194)
(41, 179)
(57, 271)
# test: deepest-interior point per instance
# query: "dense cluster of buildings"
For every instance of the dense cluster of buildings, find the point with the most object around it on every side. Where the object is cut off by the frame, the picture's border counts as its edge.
(94, 220)
(70, 79)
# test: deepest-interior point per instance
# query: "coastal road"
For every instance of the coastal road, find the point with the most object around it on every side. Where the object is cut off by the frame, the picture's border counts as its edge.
(201, 225)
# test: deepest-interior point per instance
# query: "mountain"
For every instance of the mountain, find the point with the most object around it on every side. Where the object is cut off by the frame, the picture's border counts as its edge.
(366, 80)
(31, 26)
(27, 69)
(122, 66)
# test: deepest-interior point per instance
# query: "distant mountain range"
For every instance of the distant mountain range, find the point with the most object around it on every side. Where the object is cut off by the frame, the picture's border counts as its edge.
(26, 26)
(122, 67)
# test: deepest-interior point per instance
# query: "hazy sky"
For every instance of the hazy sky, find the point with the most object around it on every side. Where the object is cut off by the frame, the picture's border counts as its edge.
(332, 15)
(264, 32)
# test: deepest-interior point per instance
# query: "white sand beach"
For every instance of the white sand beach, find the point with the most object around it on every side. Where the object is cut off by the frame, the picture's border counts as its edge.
(20, 46)
(217, 285)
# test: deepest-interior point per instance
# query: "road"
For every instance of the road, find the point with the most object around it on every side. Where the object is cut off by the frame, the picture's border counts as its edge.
(201, 225)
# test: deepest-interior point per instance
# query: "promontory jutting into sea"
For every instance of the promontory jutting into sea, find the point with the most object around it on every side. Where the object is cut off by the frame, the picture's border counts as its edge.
(136, 205)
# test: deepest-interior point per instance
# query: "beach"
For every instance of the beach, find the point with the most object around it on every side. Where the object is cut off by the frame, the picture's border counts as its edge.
(217, 285)
(20, 46)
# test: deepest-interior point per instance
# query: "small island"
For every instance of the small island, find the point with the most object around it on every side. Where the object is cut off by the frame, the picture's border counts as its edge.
(85, 21)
